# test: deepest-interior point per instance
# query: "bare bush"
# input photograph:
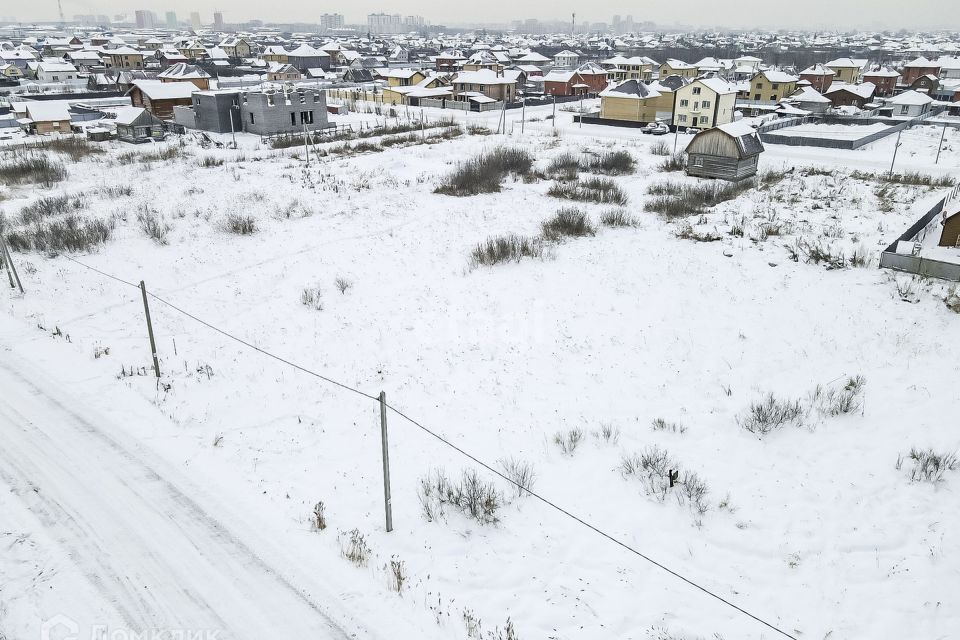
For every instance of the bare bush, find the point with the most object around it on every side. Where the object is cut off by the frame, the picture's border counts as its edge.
(770, 414)
(952, 299)
(499, 249)
(568, 223)
(153, 225)
(71, 233)
(319, 516)
(49, 207)
(660, 424)
(240, 224)
(600, 190)
(673, 199)
(836, 401)
(568, 441)
(342, 285)
(613, 163)
(607, 433)
(398, 574)
(485, 173)
(354, 547)
(930, 465)
(617, 218)
(565, 166)
(473, 497)
(31, 168)
(675, 162)
(660, 148)
(521, 473)
(312, 298)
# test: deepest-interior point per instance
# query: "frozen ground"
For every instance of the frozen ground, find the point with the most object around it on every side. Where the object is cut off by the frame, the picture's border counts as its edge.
(812, 527)
(833, 131)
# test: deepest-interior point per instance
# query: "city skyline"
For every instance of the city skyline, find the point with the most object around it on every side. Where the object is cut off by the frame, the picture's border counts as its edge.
(816, 14)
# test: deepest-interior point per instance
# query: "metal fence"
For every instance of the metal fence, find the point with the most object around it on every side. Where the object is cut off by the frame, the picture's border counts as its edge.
(890, 259)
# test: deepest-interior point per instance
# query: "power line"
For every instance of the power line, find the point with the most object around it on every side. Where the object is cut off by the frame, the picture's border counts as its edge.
(456, 448)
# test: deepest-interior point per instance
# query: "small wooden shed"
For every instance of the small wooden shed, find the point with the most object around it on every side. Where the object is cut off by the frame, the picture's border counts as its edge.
(729, 152)
(950, 235)
(136, 124)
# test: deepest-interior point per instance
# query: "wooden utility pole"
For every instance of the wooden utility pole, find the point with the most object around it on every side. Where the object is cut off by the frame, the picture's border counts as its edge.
(523, 115)
(153, 343)
(895, 147)
(11, 268)
(554, 119)
(388, 507)
(940, 146)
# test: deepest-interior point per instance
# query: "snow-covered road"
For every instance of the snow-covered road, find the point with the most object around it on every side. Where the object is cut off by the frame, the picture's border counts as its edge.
(141, 541)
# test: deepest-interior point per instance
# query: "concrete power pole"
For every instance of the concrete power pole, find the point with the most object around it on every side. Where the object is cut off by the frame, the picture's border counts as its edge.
(573, 23)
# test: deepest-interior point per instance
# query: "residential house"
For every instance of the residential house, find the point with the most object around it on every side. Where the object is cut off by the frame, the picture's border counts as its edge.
(772, 86)
(846, 70)
(714, 66)
(908, 104)
(926, 84)
(169, 57)
(566, 59)
(809, 99)
(47, 116)
(159, 98)
(401, 77)
(620, 68)
(884, 79)
(917, 68)
(704, 103)
(587, 78)
(950, 233)
(532, 57)
(306, 57)
(399, 55)
(192, 50)
(236, 47)
(819, 76)
(10, 72)
(851, 95)
(122, 58)
(278, 72)
(357, 75)
(673, 67)
(729, 152)
(83, 59)
(275, 53)
(484, 60)
(495, 86)
(436, 87)
(449, 60)
(136, 124)
(184, 72)
(56, 71)
(258, 112)
(634, 101)
(949, 67)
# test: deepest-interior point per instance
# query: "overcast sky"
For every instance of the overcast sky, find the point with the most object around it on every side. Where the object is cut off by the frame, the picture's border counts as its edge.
(832, 14)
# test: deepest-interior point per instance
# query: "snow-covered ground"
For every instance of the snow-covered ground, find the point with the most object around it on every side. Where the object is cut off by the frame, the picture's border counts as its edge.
(833, 131)
(812, 527)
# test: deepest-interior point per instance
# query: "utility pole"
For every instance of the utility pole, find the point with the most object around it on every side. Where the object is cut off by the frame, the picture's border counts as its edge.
(523, 115)
(153, 343)
(896, 146)
(553, 120)
(233, 134)
(306, 148)
(940, 146)
(388, 507)
(581, 109)
(11, 269)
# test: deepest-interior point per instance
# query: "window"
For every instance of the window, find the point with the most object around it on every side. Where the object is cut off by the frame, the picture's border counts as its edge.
(706, 104)
(696, 106)
(252, 121)
(696, 91)
(703, 119)
(698, 161)
(756, 96)
(683, 118)
(684, 103)
(773, 97)
(306, 117)
(904, 110)
(293, 119)
(774, 86)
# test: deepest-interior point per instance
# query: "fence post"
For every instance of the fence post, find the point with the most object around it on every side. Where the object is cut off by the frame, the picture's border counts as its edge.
(153, 343)
(12, 270)
(388, 507)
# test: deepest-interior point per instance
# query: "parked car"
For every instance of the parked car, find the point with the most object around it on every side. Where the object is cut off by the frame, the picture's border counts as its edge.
(657, 128)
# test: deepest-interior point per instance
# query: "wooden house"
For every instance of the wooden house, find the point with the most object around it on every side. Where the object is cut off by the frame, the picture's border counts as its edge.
(183, 72)
(159, 98)
(950, 234)
(729, 152)
(136, 124)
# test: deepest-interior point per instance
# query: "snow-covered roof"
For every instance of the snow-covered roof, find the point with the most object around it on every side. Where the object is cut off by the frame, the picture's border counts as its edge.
(48, 110)
(632, 89)
(157, 90)
(864, 89)
(809, 94)
(911, 97)
(128, 115)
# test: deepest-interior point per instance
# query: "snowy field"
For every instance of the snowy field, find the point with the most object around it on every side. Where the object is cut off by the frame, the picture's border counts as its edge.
(636, 337)
(833, 131)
